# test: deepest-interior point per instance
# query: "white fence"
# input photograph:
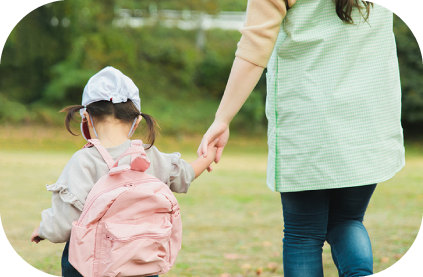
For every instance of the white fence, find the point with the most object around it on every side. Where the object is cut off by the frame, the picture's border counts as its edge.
(186, 20)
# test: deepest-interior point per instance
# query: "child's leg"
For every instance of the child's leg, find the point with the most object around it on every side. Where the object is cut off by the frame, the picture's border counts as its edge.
(67, 269)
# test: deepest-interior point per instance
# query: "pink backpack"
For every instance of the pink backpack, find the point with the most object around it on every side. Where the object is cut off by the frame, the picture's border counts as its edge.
(130, 224)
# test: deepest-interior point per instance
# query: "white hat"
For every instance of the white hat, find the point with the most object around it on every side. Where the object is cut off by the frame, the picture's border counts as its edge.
(110, 85)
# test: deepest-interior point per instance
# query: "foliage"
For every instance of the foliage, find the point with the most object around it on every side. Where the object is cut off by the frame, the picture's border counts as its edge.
(11, 111)
(251, 117)
(32, 48)
(53, 51)
(214, 69)
(411, 69)
(209, 6)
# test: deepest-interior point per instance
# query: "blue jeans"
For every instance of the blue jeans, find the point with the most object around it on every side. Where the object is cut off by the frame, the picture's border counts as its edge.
(332, 215)
(67, 269)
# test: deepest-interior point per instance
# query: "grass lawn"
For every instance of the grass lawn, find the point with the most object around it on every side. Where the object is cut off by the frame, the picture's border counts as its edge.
(232, 222)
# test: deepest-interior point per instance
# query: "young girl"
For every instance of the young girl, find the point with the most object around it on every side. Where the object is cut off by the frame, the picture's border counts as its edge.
(108, 116)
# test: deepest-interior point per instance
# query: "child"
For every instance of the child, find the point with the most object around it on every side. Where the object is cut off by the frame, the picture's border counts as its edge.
(109, 117)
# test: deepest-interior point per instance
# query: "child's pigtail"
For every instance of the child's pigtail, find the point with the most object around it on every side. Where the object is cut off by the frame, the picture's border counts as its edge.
(152, 128)
(71, 111)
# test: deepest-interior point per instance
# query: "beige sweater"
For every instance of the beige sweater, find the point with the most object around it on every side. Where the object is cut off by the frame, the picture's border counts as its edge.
(264, 18)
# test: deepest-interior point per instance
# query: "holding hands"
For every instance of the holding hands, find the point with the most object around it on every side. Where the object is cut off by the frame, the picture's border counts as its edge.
(220, 131)
(203, 162)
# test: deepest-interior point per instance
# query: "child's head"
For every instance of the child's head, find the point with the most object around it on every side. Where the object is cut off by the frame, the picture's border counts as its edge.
(105, 101)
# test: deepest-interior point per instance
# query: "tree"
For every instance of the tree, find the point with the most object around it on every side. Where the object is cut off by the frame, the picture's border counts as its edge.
(31, 49)
(411, 72)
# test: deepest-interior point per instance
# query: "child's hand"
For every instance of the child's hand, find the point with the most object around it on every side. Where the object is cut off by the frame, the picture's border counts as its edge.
(203, 163)
(35, 237)
(211, 151)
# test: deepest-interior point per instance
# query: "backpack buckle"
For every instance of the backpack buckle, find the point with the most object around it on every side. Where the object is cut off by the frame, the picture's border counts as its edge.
(119, 169)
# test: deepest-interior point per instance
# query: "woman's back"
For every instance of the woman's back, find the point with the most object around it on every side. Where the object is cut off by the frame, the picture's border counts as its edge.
(313, 35)
(334, 100)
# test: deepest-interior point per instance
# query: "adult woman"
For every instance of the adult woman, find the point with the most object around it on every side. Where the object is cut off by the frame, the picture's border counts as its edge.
(333, 106)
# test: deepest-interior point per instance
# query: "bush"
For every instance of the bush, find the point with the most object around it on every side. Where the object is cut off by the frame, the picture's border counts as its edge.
(411, 72)
(12, 112)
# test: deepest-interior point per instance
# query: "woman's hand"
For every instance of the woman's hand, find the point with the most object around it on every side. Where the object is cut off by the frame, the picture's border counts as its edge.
(218, 130)
(35, 236)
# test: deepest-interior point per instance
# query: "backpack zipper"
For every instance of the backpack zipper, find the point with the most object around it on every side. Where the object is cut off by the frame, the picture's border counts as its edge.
(129, 184)
(150, 236)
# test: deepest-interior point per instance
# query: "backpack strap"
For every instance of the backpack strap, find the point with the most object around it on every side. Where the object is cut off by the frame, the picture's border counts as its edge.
(136, 142)
(103, 152)
(135, 149)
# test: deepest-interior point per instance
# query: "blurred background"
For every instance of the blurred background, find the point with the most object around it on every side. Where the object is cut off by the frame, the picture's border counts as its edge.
(179, 54)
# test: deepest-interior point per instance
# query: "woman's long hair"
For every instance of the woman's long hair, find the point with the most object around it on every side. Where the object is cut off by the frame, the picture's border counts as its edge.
(345, 7)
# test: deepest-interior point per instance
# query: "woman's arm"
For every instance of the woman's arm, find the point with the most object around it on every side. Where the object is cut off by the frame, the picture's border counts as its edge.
(259, 35)
(242, 80)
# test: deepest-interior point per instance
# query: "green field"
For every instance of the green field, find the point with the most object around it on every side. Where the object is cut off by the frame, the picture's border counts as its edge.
(232, 223)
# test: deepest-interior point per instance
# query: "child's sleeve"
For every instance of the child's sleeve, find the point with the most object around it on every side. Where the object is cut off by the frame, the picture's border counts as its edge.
(68, 197)
(170, 169)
